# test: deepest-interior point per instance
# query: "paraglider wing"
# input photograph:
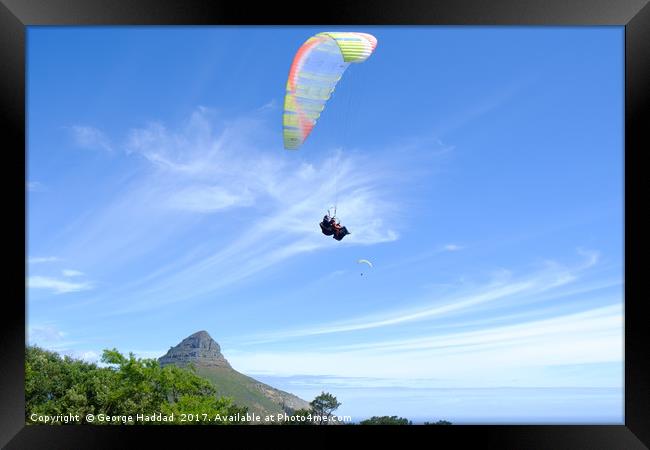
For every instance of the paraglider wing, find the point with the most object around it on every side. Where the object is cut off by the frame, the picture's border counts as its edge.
(316, 69)
(364, 261)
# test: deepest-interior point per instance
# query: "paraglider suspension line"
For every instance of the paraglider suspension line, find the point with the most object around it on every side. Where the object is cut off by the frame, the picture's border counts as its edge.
(344, 140)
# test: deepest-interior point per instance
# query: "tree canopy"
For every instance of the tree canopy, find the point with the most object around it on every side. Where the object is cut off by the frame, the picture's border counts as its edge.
(323, 406)
(127, 386)
(386, 420)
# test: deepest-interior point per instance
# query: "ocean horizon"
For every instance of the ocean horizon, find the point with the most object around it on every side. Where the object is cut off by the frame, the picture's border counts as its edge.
(471, 406)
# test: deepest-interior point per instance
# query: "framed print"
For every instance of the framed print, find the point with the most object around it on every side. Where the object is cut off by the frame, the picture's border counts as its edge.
(276, 218)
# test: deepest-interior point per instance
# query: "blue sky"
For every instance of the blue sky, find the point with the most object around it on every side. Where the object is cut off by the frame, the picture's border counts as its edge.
(480, 169)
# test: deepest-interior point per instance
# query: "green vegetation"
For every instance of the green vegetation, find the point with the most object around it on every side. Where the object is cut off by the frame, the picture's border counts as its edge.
(300, 417)
(440, 422)
(56, 386)
(320, 412)
(231, 383)
(386, 420)
(323, 406)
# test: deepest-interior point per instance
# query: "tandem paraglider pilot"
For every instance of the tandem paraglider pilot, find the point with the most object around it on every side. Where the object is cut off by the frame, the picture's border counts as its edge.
(330, 227)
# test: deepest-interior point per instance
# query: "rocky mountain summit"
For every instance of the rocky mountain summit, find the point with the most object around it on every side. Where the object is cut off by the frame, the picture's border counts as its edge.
(204, 353)
(199, 349)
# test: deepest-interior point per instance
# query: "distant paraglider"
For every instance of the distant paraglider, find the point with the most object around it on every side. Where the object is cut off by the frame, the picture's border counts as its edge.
(364, 261)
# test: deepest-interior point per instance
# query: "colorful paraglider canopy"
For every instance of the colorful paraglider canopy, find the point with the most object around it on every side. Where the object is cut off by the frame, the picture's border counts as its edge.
(316, 69)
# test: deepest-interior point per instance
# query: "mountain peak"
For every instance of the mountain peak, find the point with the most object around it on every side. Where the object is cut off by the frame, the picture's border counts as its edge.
(203, 351)
(203, 335)
(198, 349)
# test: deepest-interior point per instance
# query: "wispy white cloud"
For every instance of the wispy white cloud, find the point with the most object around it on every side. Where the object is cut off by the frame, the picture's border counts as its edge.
(44, 334)
(210, 167)
(492, 337)
(489, 103)
(71, 273)
(43, 259)
(209, 199)
(487, 357)
(425, 255)
(268, 106)
(485, 340)
(429, 144)
(34, 186)
(55, 285)
(492, 293)
(48, 335)
(90, 138)
(502, 288)
(591, 257)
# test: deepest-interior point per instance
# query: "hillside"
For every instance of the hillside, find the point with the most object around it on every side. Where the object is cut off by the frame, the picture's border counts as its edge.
(204, 353)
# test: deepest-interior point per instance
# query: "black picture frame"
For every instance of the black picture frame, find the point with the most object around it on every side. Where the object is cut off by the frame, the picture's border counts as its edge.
(634, 15)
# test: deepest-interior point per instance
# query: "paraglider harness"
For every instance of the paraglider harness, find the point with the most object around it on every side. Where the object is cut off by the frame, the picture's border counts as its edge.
(330, 227)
